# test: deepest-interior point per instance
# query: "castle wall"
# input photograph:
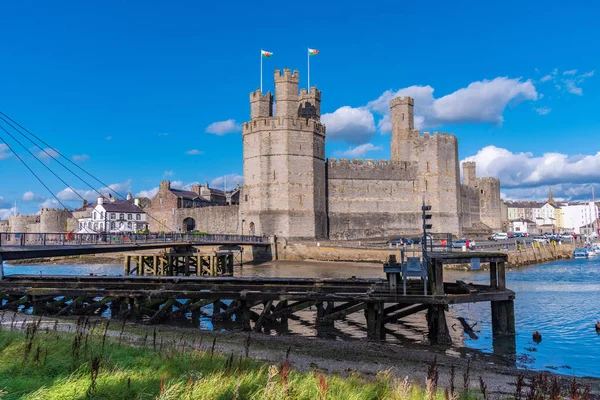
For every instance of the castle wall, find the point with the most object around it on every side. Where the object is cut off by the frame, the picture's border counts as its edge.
(214, 219)
(470, 209)
(490, 202)
(54, 220)
(20, 223)
(372, 199)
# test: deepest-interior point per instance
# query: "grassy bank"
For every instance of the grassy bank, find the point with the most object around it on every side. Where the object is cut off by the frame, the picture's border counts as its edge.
(88, 363)
(95, 361)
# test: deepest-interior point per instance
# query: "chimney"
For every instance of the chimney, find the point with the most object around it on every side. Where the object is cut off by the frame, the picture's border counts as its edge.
(100, 200)
(84, 203)
(136, 202)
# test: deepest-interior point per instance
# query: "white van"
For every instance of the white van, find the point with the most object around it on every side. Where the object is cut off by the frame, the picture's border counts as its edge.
(499, 236)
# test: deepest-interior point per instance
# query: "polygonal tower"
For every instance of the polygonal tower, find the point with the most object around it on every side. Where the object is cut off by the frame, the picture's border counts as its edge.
(284, 163)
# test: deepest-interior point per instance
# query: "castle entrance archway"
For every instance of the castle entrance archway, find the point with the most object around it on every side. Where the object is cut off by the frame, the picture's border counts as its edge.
(251, 229)
(189, 224)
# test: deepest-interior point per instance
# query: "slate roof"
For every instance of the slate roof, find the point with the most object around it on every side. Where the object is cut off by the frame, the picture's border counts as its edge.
(121, 206)
(522, 220)
(185, 194)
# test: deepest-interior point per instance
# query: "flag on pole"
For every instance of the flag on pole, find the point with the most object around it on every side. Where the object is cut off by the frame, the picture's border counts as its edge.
(313, 52)
(266, 53)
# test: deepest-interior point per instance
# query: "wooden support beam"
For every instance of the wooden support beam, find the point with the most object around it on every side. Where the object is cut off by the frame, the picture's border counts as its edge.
(344, 312)
(70, 305)
(374, 316)
(292, 309)
(466, 288)
(245, 314)
(405, 313)
(93, 306)
(263, 316)
(166, 308)
(502, 276)
(494, 275)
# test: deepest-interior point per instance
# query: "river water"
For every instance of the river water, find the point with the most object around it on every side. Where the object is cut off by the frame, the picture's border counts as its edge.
(561, 300)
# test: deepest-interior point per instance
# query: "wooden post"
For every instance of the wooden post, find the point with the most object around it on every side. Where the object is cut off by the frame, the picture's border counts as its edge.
(245, 314)
(436, 322)
(1, 268)
(501, 276)
(494, 275)
(374, 321)
(438, 277)
(140, 262)
(127, 266)
(503, 317)
(186, 265)
(155, 265)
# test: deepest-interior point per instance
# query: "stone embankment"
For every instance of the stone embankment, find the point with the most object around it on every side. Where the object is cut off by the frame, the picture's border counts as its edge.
(323, 252)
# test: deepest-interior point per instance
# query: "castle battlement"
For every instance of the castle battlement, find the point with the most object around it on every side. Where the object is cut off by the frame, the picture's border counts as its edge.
(437, 136)
(369, 169)
(278, 123)
(314, 93)
(287, 75)
(257, 94)
(406, 100)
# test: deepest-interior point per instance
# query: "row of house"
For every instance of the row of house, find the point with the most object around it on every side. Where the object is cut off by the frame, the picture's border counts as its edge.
(578, 217)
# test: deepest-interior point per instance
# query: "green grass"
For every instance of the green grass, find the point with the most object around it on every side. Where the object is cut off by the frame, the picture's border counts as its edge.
(47, 364)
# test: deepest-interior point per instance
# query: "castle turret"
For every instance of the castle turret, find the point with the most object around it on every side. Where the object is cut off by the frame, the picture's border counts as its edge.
(309, 104)
(286, 93)
(403, 125)
(469, 173)
(261, 106)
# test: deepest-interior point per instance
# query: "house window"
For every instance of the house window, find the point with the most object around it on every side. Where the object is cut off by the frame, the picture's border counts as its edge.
(80, 225)
(94, 215)
(245, 197)
(138, 217)
(101, 226)
(101, 214)
(129, 216)
(112, 225)
(113, 216)
(121, 216)
(129, 225)
(95, 225)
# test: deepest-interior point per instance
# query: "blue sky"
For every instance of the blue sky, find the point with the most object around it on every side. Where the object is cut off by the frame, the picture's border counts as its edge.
(131, 87)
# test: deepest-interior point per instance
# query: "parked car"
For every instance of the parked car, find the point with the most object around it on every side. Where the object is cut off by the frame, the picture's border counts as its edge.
(417, 240)
(518, 234)
(460, 243)
(499, 236)
(541, 239)
(400, 241)
(566, 236)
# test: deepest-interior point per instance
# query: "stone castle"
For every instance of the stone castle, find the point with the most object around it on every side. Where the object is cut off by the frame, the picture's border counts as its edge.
(291, 190)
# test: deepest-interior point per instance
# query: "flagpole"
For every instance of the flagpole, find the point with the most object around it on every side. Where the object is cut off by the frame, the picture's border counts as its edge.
(308, 56)
(261, 57)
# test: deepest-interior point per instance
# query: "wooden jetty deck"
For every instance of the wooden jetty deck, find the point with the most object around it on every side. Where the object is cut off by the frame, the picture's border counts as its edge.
(215, 263)
(255, 303)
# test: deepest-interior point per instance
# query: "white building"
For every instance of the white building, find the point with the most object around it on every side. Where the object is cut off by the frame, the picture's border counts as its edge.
(114, 216)
(545, 215)
(577, 215)
(523, 225)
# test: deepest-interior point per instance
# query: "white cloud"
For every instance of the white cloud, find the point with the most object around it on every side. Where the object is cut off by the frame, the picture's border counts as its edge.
(194, 152)
(223, 127)
(68, 195)
(230, 181)
(546, 78)
(480, 102)
(572, 87)
(588, 74)
(570, 72)
(4, 151)
(524, 170)
(543, 110)
(168, 173)
(348, 124)
(80, 157)
(30, 196)
(48, 153)
(6, 212)
(50, 203)
(147, 193)
(109, 138)
(361, 150)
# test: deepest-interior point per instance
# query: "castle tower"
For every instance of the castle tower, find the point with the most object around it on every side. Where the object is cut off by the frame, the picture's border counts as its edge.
(403, 125)
(469, 173)
(261, 106)
(550, 197)
(284, 165)
(286, 92)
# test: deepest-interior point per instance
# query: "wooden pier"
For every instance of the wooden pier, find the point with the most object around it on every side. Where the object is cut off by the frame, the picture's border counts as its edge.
(217, 263)
(259, 303)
